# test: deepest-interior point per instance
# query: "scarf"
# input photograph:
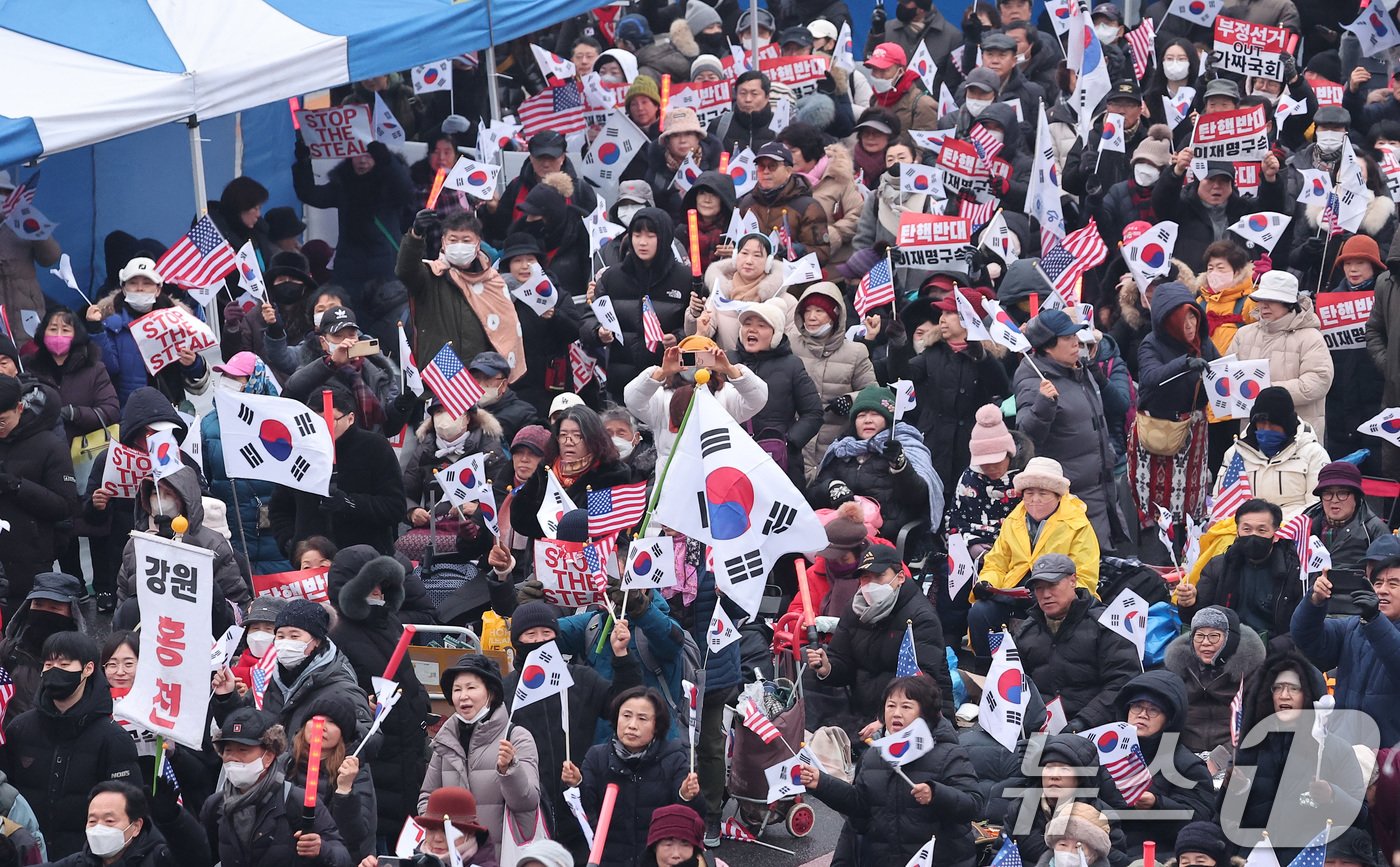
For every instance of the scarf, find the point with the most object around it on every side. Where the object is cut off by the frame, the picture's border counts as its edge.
(486, 294)
(740, 291)
(869, 166)
(920, 461)
(241, 808)
(568, 479)
(896, 93)
(817, 172)
(630, 760)
(369, 413)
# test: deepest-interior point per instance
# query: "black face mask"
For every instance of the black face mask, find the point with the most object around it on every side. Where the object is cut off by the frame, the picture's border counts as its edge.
(713, 43)
(288, 292)
(59, 683)
(905, 14)
(525, 648)
(39, 625)
(1256, 549)
(893, 171)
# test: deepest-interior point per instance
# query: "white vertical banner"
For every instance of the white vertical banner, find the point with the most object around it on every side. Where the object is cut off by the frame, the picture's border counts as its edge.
(175, 589)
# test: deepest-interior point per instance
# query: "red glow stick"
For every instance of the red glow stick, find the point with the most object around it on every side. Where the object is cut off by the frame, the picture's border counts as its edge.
(600, 837)
(724, 162)
(1149, 853)
(328, 412)
(399, 650)
(693, 223)
(1035, 304)
(313, 760)
(665, 100)
(438, 180)
(808, 615)
(294, 103)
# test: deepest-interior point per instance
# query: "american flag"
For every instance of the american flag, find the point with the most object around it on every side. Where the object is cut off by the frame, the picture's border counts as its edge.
(979, 213)
(1141, 38)
(262, 676)
(597, 577)
(986, 143)
(1009, 855)
(1068, 260)
(1237, 715)
(756, 722)
(1314, 854)
(1331, 215)
(581, 365)
(785, 238)
(994, 637)
(20, 195)
(1298, 530)
(1234, 490)
(908, 664)
(616, 508)
(452, 383)
(7, 692)
(1131, 774)
(559, 109)
(876, 287)
(651, 325)
(733, 829)
(201, 258)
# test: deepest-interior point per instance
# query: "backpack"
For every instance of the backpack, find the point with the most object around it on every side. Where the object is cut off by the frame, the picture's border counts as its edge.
(691, 666)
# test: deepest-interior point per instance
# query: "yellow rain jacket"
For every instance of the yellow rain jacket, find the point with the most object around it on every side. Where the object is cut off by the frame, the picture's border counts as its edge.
(1067, 531)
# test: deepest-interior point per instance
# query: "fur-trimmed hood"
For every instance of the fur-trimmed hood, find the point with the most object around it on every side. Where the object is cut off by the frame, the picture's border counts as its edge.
(1131, 309)
(1378, 212)
(481, 420)
(1248, 656)
(682, 39)
(355, 572)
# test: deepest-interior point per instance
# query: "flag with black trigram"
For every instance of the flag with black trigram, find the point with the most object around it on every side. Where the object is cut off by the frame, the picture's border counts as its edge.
(275, 439)
(543, 673)
(725, 490)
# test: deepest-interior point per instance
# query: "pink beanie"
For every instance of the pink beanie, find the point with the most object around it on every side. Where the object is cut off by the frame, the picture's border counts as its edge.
(991, 441)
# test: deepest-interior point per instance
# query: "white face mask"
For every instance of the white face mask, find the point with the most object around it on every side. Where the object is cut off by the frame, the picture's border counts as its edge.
(625, 213)
(230, 386)
(374, 603)
(996, 134)
(164, 505)
(241, 775)
(1066, 859)
(259, 642)
(1176, 70)
(820, 332)
(1146, 175)
(1329, 141)
(881, 85)
(1021, 59)
(105, 840)
(316, 318)
(1107, 33)
(1218, 280)
(748, 40)
(140, 302)
(624, 447)
(290, 651)
(1264, 94)
(460, 255)
(873, 601)
(976, 106)
(476, 717)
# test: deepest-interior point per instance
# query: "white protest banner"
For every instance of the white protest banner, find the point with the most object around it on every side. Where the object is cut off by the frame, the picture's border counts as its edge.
(560, 567)
(933, 241)
(250, 275)
(801, 74)
(336, 133)
(477, 180)
(651, 562)
(161, 334)
(126, 469)
(1232, 136)
(301, 584)
(1344, 316)
(175, 589)
(1249, 49)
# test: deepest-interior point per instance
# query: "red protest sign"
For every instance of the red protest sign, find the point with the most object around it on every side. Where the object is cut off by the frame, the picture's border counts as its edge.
(1343, 316)
(559, 566)
(302, 584)
(733, 67)
(1249, 49)
(933, 241)
(1327, 92)
(709, 99)
(125, 470)
(1232, 136)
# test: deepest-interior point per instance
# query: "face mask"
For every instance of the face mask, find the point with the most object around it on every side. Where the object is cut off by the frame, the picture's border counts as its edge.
(58, 683)
(1066, 859)
(1021, 59)
(39, 625)
(1218, 280)
(476, 717)
(490, 395)
(1107, 33)
(316, 318)
(58, 344)
(820, 332)
(375, 603)
(1329, 141)
(525, 648)
(259, 642)
(976, 106)
(873, 601)
(448, 428)
(164, 505)
(1270, 441)
(1271, 97)
(241, 775)
(762, 41)
(995, 133)
(228, 386)
(1146, 175)
(143, 302)
(1176, 70)
(105, 840)
(625, 213)
(291, 652)
(1255, 548)
(288, 292)
(905, 14)
(894, 170)
(881, 85)
(459, 255)
(713, 43)
(624, 447)
(612, 78)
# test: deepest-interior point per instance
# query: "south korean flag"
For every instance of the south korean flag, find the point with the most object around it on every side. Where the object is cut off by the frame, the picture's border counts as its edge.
(651, 563)
(465, 480)
(275, 439)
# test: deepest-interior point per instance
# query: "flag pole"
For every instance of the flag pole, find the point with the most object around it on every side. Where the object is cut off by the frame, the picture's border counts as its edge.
(1033, 367)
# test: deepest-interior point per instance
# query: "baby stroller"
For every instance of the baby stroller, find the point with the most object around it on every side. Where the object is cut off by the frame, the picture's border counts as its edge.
(750, 757)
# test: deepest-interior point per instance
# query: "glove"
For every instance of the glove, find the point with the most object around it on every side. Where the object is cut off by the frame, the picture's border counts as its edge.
(1263, 265)
(1197, 364)
(971, 28)
(301, 151)
(826, 84)
(233, 314)
(637, 603)
(894, 453)
(877, 19)
(825, 625)
(404, 403)
(982, 590)
(68, 412)
(379, 151)
(840, 406)
(1290, 69)
(838, 492)
(1367, 604)
(426, 221)
(529, 591)
(337, 501)
(9, 483)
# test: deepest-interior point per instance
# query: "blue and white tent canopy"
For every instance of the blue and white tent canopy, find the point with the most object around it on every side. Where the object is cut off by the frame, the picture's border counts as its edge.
(79, 72)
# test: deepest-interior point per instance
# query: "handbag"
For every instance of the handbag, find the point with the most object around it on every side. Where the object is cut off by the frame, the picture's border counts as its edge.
(85, 449)
(1160, 436)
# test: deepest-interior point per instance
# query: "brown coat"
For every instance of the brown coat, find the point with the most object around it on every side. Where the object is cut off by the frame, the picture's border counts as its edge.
(805, 215)
(836, 192)
(19, 287)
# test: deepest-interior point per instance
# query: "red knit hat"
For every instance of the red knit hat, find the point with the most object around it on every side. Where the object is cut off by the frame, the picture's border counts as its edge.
(676, 822)
(822, 301)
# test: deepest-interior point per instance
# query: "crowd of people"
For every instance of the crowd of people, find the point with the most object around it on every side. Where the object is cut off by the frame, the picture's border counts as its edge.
(997, 455)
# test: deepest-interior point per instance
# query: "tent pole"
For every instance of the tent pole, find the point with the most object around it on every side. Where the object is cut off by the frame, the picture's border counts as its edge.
(201, 201)
(493, 95)
(753, 30)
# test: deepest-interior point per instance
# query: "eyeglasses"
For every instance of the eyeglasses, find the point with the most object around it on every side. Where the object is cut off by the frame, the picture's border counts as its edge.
(126, 665)
(1337, 495)
(1203, 637)
(1287, 689)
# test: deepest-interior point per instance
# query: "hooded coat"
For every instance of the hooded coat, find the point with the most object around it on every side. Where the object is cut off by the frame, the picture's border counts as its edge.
(560, 231)
(723, 309)
(885, 825)
(21, 646)
(546, 342)
(228, 576)
(38, 499)
(1210, 689)
(1366, 657)
(793, 411)
(55, 758)
(1180, 781)
(1298, 359)
(836, 192)
(712, 233)
(1288, 478)
(1165, 388)
(836, 364)
(793, 201)
(367, 636)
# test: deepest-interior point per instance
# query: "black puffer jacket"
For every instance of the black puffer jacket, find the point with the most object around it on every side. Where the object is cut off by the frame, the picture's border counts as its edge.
(367, 635)
(864, 656)
(1162, 357)
(1093, 787)
(663, 279)
(645, 784)
(885, 825)
(794, 408)
(1083, 662)
(55, 759)
(272, 842)
(1180, 782)
(160, 839)
(37, 493)
(1220, 585)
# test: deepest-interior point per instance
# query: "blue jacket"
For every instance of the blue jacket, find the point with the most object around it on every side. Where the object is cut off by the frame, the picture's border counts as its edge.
(128, 371)
(1367, 659)
(262, 552)
(663, 645)
(723, 670)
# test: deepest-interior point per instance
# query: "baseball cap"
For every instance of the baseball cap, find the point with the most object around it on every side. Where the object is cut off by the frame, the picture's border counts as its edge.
(887, 54)
(1107, 10)
(822, 29)
(141, 266)
(489, 363)
(1215, 169)
(1051, 568)
(797, 35)
(547, 144)
(877, 558)
(244, 726)
(1126, 88)
(1382, 548)
(774, 150)
(337, 319)
(565, 401)
(241, 364)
